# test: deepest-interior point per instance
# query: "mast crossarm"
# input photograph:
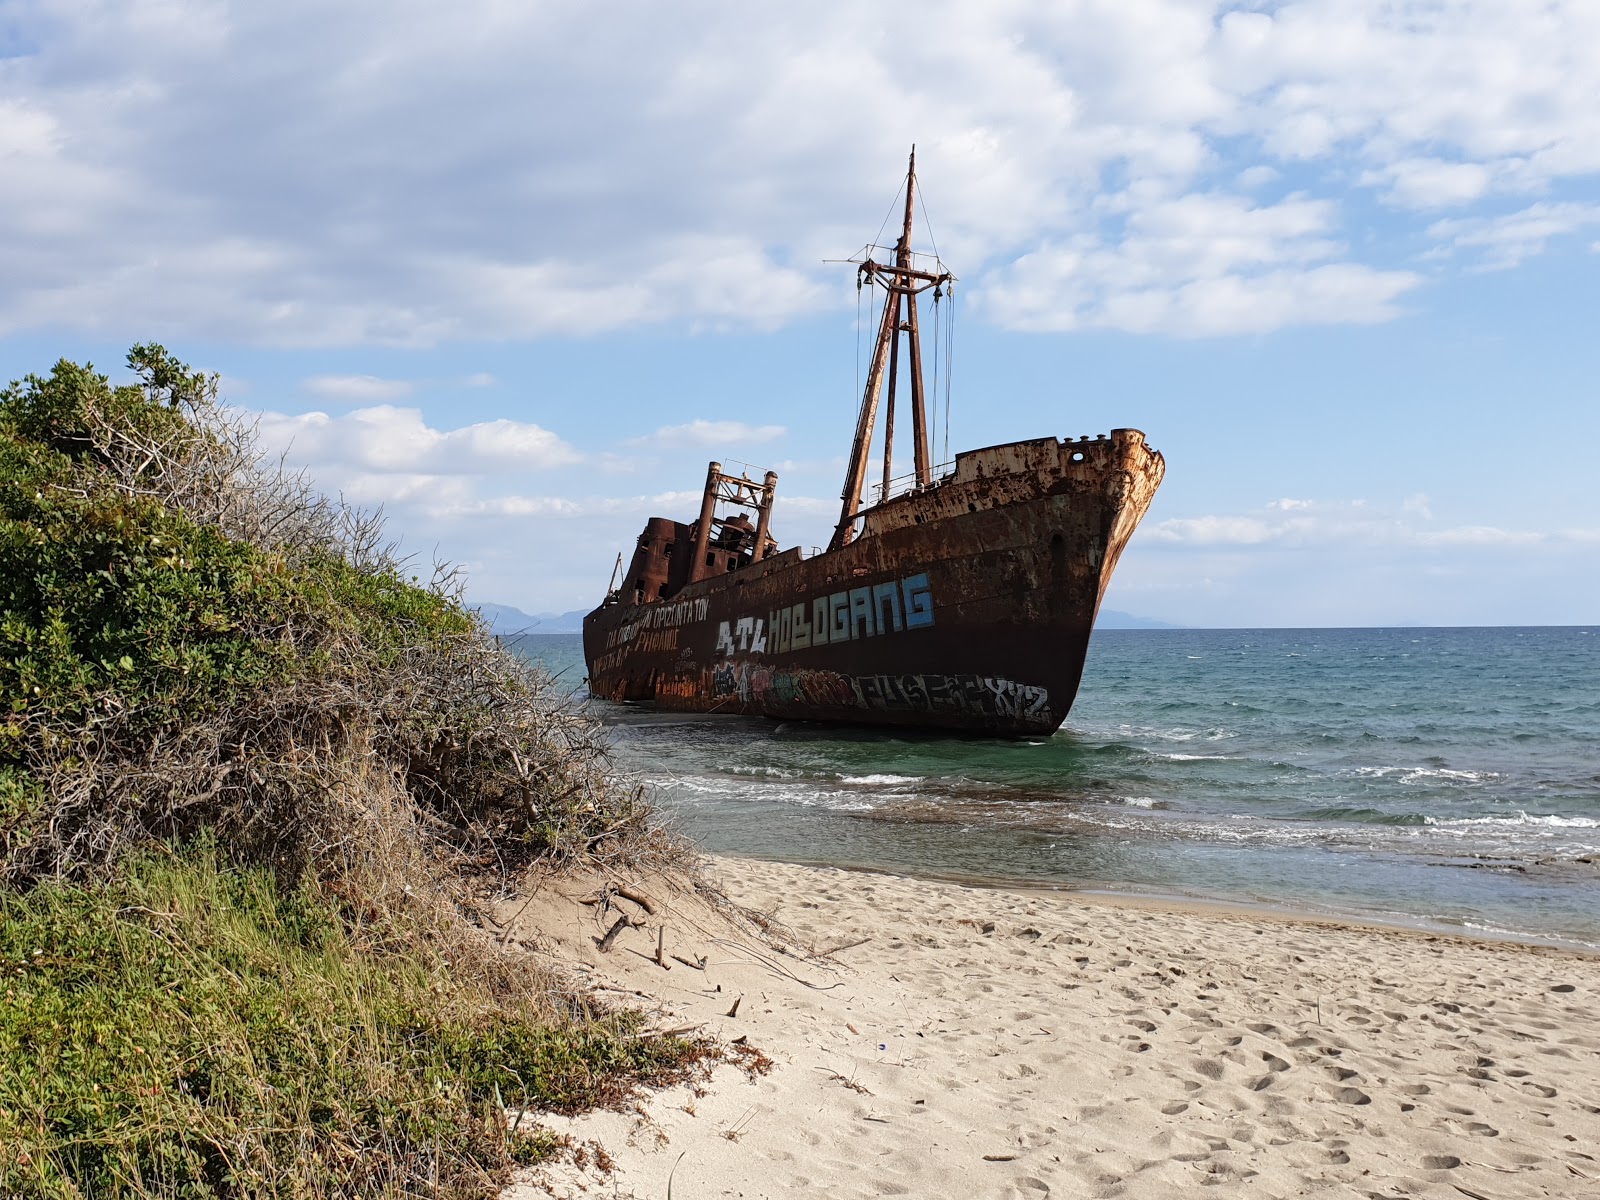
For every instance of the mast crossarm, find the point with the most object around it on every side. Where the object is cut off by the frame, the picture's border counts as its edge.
(882, 269)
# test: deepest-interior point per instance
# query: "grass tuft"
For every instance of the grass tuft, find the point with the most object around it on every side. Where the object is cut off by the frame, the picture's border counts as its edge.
(254, 778)
(192, 1030)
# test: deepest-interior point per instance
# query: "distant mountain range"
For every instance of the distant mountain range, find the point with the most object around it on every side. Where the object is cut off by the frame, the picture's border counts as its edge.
(1110, 618)
(506, 621)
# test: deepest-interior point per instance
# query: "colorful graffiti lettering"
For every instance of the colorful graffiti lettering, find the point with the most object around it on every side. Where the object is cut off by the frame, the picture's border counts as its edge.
(985, 695)
(861, 612)
(989, 695)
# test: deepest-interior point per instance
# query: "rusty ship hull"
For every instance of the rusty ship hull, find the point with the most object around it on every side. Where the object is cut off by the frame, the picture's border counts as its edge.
(965, 604)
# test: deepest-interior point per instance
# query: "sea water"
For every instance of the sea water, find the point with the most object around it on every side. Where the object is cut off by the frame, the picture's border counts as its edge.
(1447, 777)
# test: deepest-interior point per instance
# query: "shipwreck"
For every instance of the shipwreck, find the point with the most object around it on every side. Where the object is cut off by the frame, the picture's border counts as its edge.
(961, 597)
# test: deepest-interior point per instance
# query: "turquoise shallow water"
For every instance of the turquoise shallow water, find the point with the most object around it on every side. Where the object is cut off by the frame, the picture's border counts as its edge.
(1443, 776)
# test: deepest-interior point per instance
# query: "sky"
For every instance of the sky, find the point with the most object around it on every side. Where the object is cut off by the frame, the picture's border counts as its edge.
(516, 271)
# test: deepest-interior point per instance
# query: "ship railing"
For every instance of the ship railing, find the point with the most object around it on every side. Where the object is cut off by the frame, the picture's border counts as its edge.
(901, 484)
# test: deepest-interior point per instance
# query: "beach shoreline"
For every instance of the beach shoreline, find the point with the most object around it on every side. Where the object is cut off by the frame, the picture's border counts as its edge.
(929, 1038)
(1155, 900)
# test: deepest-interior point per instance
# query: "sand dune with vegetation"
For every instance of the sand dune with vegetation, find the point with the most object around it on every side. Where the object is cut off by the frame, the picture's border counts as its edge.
(257, 785)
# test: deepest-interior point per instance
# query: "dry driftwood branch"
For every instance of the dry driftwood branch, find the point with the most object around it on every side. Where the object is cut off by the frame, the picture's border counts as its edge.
(621, 923)
(675, 1031)
(843, 946)
(638, 897)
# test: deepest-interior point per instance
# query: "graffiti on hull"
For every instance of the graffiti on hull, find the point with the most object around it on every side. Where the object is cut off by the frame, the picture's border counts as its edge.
(850, 615)
(969, 695)
(660, 616)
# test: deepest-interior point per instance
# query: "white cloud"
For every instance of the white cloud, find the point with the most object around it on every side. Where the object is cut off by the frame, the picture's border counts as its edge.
(441, 498)
(1200, 264)
(1483, 535)
(404, 173)
(450, 480)
(660, 504)
(1431, 182)
(700, 432)
(1301, 563)
(1507, 240)
(383, 441)
(1311, 523)
(356, 389)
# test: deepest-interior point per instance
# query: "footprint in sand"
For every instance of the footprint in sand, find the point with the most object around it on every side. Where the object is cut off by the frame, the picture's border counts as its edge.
(1274, 1063)
(1440, 1162)
(1349, 1095)
(1026, 1187)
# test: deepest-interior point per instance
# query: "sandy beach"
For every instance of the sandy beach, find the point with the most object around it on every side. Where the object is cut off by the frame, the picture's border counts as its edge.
(928, 1039)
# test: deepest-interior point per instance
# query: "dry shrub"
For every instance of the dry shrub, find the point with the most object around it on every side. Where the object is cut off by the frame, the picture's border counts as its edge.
(248, 656)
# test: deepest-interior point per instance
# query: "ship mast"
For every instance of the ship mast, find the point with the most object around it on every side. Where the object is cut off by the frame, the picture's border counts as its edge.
(901, 282)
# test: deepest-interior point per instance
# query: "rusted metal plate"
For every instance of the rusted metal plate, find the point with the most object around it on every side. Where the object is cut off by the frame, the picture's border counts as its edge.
(966, 605)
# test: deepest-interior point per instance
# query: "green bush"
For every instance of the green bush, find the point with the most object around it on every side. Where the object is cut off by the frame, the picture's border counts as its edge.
(198, 650)
(189, 1030)
(192, 640)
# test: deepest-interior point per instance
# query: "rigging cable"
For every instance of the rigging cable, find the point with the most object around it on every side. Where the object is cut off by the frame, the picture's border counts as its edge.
(887, 217)
(858, 333)
(949, 344)
(932, 241)
(937, 292)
